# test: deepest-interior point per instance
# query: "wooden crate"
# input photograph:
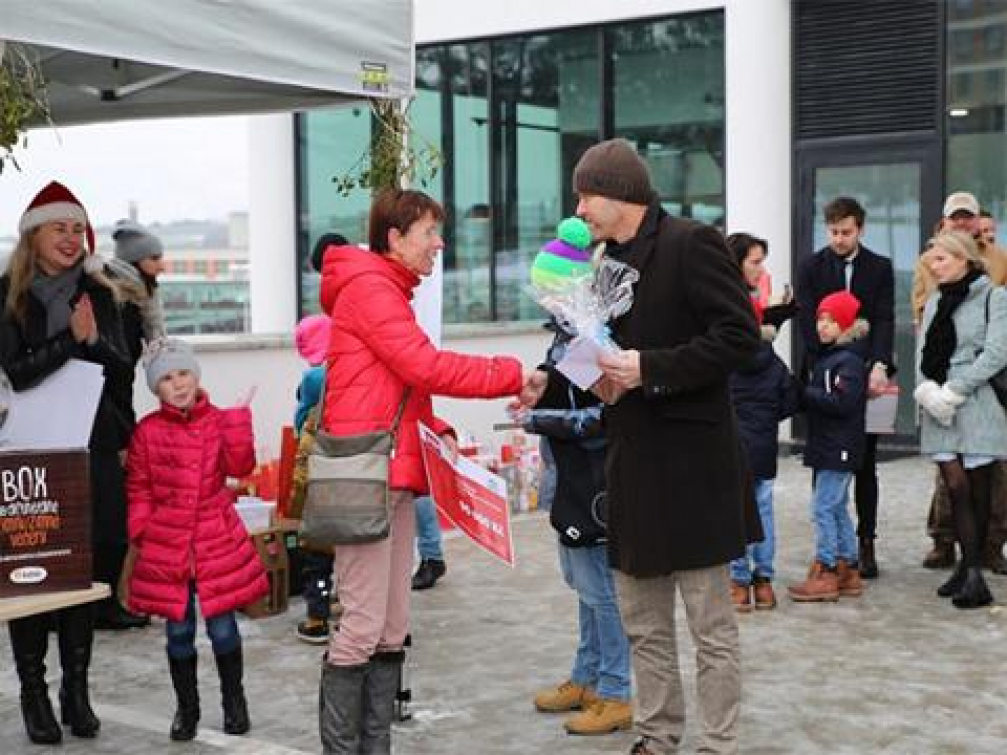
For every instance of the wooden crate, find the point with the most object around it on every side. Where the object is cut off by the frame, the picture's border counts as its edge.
(273, 553)
(45, 522)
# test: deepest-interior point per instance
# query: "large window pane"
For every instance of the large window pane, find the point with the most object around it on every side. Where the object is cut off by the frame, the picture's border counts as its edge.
(451, 112)
(332, 143)
(547, 103)
(976, 104)
(669, 101)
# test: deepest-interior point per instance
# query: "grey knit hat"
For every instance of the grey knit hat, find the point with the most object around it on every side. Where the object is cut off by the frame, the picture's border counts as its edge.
(613, 169)
(134, 242)
(163, 355)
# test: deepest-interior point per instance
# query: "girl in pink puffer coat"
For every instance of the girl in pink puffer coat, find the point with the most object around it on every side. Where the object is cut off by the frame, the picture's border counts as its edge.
(189, 539)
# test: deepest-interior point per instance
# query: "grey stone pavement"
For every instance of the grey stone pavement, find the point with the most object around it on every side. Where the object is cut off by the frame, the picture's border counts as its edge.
(896, 671)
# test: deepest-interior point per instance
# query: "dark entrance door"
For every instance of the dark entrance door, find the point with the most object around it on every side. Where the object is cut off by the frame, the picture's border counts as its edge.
(899, 187)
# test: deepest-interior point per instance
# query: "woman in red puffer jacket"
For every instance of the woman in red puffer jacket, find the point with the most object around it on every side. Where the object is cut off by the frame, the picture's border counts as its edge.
(377, 352)
(189, 539)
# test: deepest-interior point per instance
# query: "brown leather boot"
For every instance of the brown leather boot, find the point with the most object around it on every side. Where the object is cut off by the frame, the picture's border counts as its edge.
(993, 558)
(741, 597)
(850, 584)
(821, 585)
(762, 593)
(941, 556)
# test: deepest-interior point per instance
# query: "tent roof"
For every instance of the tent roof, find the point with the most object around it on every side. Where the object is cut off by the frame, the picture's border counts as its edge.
(120, 59)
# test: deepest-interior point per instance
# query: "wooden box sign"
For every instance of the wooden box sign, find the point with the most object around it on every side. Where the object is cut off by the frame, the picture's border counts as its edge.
(45, 522)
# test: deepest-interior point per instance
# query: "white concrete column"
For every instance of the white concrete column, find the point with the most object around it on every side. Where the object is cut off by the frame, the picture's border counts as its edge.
(272, 230)
(758, 126)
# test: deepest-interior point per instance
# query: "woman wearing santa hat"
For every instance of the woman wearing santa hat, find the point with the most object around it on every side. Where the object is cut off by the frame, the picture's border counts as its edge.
(56, 303)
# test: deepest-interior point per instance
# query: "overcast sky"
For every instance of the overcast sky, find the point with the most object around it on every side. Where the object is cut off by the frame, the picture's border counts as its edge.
(181, 168)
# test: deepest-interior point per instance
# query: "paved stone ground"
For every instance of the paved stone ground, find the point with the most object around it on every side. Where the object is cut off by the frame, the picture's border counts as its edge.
(897, 671)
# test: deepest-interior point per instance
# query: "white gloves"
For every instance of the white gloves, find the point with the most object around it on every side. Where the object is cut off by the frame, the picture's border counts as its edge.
(939, 401)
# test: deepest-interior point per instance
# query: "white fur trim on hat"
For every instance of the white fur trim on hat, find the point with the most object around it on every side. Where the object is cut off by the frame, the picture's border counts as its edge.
(49, 213)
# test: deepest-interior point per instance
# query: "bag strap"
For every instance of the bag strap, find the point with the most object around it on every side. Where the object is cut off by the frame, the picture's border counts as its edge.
(402, 408)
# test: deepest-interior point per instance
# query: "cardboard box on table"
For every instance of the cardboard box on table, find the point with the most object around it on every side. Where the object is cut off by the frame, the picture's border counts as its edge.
(45, 522)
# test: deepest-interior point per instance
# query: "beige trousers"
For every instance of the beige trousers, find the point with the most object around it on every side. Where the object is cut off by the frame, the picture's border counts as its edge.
(648, 613)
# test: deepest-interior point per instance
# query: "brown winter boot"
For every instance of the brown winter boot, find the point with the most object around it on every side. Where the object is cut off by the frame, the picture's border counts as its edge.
(741, 597)
(762, 593)
(848, 577)
(942, 556)
(821, 585)
(993, 558)
(601, 717)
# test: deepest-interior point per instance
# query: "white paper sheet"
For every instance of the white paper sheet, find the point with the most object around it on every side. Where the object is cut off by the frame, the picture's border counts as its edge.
(580, 363)
(56, 413)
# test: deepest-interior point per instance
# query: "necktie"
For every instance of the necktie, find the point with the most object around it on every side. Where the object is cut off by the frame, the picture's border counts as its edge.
(848, 273)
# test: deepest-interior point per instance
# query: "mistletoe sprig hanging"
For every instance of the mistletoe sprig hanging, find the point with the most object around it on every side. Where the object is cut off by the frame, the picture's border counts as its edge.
(396, 153)
(23, 101)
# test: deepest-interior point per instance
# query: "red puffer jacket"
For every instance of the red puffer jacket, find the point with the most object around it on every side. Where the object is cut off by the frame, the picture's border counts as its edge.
(376, 349)
(181, 514)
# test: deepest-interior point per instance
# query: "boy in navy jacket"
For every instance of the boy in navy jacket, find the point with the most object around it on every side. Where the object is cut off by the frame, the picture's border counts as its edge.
(834, 401)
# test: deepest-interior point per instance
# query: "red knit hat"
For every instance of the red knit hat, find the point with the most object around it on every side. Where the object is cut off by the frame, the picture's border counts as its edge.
(842, 307)
(56, 202)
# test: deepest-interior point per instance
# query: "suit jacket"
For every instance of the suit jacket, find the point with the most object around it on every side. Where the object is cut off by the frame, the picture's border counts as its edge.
(675, 470)
(873, 283)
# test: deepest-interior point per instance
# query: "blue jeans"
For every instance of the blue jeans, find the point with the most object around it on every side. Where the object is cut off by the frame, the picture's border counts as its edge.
(428, 529)
(222, 630)
(835, 536)
(317, 571)
(602, 660)
(758, 558)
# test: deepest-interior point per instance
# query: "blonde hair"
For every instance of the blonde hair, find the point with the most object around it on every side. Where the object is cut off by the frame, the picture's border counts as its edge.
(959, 244)
(22, 269)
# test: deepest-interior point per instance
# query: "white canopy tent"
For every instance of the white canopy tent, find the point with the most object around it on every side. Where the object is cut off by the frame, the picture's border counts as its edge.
(121, 59)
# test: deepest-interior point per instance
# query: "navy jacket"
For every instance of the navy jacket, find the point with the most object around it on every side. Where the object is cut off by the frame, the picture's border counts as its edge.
(834, 400)
(764, 394)
(570, 420)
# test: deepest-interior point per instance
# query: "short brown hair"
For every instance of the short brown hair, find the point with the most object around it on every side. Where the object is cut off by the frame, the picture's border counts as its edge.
(399, 209)
(845, 207)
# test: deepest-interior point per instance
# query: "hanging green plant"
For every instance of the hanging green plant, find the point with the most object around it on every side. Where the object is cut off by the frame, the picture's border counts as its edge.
(397, 155)
(23, 100)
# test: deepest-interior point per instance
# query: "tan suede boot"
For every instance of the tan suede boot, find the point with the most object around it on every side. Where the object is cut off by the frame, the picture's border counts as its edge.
(821, 585)
(564, 697)
(601, 717)
(850, 584)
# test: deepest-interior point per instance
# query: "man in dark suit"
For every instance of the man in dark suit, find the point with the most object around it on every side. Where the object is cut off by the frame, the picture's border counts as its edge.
(674, 470)
(846, 264)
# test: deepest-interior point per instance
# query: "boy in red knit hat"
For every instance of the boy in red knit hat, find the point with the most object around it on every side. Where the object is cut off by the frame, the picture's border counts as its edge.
(834, 400)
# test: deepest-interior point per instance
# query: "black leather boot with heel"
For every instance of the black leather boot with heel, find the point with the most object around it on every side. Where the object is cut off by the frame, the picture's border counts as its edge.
(76, 635)
(29, 639)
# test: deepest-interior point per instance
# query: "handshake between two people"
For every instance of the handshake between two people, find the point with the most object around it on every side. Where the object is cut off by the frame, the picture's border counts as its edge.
(939, 401)
(620, 373)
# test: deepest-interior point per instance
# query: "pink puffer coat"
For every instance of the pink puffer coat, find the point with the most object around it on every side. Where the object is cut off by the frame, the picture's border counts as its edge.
(182, 516)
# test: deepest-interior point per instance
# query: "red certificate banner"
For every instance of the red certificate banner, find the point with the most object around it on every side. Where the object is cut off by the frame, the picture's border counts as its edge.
(471, 497)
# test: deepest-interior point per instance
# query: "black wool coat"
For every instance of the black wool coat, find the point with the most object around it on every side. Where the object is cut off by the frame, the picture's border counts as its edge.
(675, 473)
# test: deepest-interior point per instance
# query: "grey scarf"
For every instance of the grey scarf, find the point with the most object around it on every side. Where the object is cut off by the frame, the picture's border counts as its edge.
(55, 292)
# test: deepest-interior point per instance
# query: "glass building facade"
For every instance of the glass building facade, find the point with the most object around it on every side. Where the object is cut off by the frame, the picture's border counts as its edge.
(510, 117)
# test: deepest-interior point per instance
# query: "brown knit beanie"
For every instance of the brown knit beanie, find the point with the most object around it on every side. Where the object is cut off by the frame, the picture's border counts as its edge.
(613, 169)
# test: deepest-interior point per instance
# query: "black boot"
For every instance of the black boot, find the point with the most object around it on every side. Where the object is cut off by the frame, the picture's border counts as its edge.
(954, 583)
(111, 616)
(76, 635)
(29, 641)
(232, 694)
(974, 593)
(380, 685)
(429, 571)
(340, 708)
(183, 679)
(868, 565)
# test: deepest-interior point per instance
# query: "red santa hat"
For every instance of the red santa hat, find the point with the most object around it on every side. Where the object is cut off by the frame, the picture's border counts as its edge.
(56, 202)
